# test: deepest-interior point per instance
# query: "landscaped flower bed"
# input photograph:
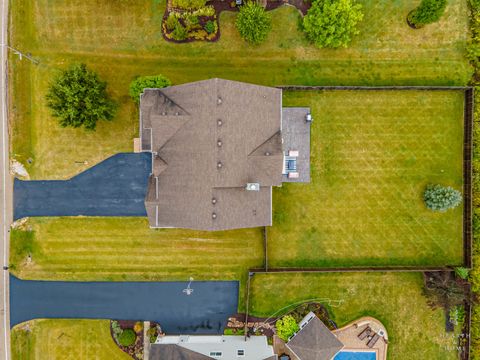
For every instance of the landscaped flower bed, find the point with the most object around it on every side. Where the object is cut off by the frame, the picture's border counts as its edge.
(128, 335)
(188, 25)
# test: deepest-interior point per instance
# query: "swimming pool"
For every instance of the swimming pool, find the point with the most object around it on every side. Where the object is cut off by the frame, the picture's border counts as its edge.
(356, 355)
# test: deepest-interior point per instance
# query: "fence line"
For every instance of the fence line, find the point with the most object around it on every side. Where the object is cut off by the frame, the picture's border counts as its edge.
(390, 88)
(467, 177)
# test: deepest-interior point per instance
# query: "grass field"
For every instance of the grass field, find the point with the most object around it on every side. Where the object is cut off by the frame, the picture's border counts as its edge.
(414, 330)
(64, 340)
(123, 40)
(373, 153)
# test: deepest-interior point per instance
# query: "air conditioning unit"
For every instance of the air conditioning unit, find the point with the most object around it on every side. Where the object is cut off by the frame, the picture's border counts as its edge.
(308, 118)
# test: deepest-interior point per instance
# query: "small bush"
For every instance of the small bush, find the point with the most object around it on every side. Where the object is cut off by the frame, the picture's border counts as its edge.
(138, 327)
(171, 21)
(253, 23)
(127, 337)
(191, 21)
(147, 82)
(462, 272)
(441, 198)
(180, 32)
(204, 11)
(286, 327)
(199, 34)
(116, 329)
(332, 23)
(211, 27)
(189, 4)
(429, 11)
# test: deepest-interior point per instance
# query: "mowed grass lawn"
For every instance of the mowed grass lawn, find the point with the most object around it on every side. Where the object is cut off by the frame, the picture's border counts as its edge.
(396, 299)
(122, 249)
(64, 340)
(372, 155)
(121, 40)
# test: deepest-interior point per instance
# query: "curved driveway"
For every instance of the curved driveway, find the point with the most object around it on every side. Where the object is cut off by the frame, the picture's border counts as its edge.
(205, 311)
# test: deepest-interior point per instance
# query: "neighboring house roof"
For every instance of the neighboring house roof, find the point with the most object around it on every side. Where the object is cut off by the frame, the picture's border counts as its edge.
(208, 140)
(174, 352)
(315, 341)
(212, 346)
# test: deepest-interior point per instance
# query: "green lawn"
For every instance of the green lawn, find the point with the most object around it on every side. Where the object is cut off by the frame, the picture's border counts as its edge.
(115, 248)
(372, 155)
(64, 340)
(414, 330)
(123, 40)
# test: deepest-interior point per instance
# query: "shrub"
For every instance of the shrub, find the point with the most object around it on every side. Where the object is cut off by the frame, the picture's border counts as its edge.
(79, 98)
(429, 11)
(332, 23)
(171, 21)
(253, 23)
(191, 21)
(286, 327)
(116, 329)
(145, 82)
(189, 4)
(180, 32)
(211, 27)
(127, 337)
(138, 327)
(205, 11)
(441, 198)
(462, 272)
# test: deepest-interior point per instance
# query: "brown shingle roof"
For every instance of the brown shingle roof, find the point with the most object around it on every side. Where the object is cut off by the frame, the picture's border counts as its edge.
(212, 137)
(315, 342)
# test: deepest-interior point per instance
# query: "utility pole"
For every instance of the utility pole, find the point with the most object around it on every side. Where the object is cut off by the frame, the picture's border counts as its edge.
(22, 55)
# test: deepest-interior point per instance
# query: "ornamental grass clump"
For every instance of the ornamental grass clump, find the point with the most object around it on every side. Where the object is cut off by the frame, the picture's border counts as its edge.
(441, 198)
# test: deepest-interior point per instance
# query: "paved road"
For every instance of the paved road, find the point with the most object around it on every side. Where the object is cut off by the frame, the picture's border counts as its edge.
(205, 311)
(114, 187)
(6, 190)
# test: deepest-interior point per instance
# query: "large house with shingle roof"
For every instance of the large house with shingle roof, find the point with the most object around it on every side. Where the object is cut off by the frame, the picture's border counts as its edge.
(218, 147)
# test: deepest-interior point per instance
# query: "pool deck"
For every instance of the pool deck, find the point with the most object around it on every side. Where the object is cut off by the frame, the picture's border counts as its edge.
(348, 335)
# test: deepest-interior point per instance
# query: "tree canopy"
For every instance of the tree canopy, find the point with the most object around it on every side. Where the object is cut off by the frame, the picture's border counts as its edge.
(332, 23)
(429, 11)
(253, 23)
(78, 98)
(441, 198)
(144, 82)
(286, 327)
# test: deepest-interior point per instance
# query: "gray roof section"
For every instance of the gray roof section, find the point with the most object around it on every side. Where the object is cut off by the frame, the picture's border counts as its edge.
(296, 136)
(209, 139)
(315, 342)
(174, 352)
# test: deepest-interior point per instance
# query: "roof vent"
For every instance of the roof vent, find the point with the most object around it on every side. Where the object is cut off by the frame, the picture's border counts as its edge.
(253, 187)
(267, 153)
(219, 122)
(219, 164)
(214, 201)
(219, 143)
(219, 100)
(214, 215)
(308, 118)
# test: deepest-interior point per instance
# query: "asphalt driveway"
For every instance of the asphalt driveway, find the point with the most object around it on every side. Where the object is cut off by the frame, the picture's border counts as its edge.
(205, 311)
(114, 187)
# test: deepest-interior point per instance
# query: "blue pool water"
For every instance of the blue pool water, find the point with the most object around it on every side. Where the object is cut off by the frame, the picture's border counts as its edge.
(355, 355)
